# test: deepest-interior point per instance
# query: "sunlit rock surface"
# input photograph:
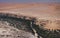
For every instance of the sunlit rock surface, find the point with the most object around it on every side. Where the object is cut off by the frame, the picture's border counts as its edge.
(7, 31)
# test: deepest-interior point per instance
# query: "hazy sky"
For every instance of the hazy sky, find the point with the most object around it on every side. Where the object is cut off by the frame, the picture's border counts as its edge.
(25, 1)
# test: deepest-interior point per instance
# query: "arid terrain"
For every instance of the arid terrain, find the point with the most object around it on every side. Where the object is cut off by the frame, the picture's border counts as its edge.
(40, 11)
(47, 16)
(46, 11)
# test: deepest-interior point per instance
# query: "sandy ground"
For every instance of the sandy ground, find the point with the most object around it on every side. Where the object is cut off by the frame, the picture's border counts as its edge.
(46, 11)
